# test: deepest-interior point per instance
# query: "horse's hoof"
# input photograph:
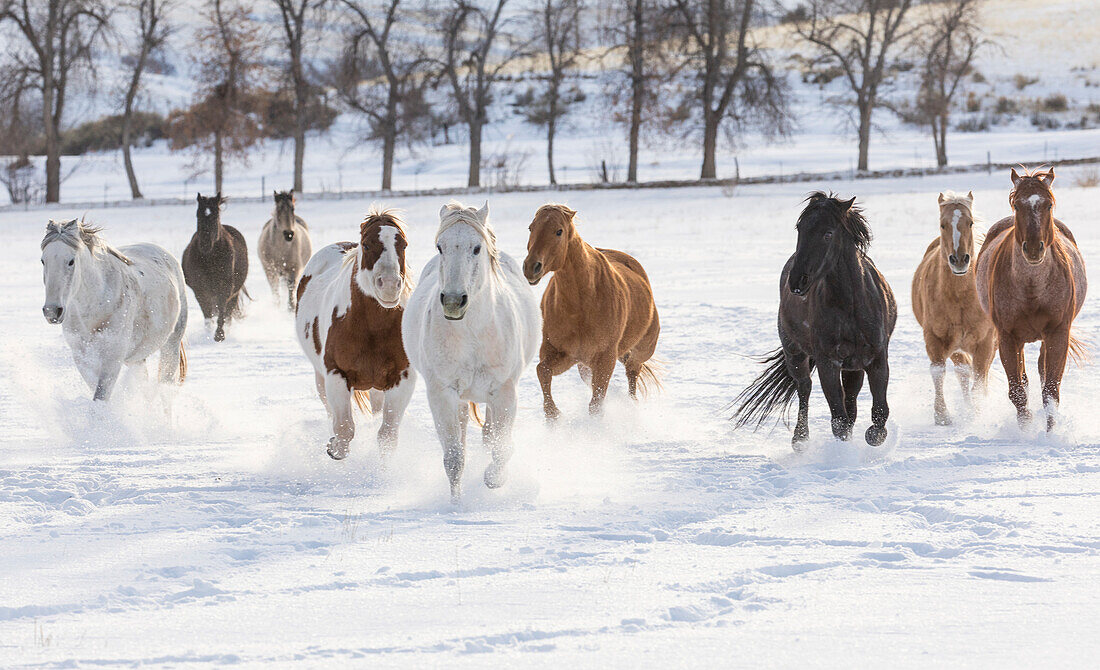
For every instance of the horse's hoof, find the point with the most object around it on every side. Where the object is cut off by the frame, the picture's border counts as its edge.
(495, 476)
(943, 420)
(456, 495)
(876, 435)
(337, 451)
(1050, 423)
(1023, 417)
(552, 414)
(219, 335)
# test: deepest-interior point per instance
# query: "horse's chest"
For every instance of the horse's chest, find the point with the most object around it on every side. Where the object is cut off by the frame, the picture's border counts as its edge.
(368, 356)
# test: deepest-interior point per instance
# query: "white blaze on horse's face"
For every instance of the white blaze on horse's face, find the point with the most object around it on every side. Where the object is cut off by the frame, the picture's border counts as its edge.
(463, 267)
(383, 280)
(59, 266)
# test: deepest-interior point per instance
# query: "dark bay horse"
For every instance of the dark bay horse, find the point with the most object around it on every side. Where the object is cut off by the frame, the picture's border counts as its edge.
(215, 265)
(1031, 282)
(836, 312)
(597, 309)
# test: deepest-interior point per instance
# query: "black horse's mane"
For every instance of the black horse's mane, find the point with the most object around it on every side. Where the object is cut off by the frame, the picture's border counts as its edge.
(843, 214)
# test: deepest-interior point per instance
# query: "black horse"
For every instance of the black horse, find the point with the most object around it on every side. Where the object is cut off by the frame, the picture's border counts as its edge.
(836, 312)
(215, 265)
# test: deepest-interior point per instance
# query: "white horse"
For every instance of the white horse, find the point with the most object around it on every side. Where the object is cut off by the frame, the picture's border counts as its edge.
(470, 329)
(115, 306)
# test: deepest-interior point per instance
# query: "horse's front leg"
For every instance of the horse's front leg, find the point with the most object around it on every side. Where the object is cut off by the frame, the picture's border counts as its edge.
(1012, 358)
(394, 402)
(552, 362)
(337, 396)
(828, 373)
(292, 291)
(1054, 351)
(109, 369)
(501, 417)
(603, 366)
(937, 355)
(450, 415)
(878, 378)
(798, 366)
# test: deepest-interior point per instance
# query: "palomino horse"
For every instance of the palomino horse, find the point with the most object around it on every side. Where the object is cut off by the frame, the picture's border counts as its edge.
(836, 312)
(1031, 282)
(946, 304)
(350, 302)
(284, 248)
(597, 308)
(215, 264)
(471, 328)
(115, 306)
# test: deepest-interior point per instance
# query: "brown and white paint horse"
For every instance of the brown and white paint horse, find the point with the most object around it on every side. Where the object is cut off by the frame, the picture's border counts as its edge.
(945, 302)
(351, 299)
(598, 308)
(1032, 283)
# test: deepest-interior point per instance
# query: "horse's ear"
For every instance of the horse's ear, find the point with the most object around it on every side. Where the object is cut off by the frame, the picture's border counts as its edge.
(570, 212)
(940, 199)
(970, 197)
(848, 203)
(483, 213)
(1048, 178)
(71, 224)
(218, 196)
(1015, 177)
(442, 211)
(198, 197)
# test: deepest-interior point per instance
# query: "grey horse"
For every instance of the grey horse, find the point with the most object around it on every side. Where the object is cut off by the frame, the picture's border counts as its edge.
(285, 248)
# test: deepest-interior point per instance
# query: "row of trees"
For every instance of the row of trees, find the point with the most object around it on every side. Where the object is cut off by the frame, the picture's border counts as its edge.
(694, 68)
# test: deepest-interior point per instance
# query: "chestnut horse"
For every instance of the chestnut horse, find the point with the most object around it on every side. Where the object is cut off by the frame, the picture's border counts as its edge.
(1031, 282)
(945, 302)
(598, 307)
(351, 300)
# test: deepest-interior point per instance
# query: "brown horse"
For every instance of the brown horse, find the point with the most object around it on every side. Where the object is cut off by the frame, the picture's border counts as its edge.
(1031, 282)
(598, 307)
(215, 265)
(945, 302)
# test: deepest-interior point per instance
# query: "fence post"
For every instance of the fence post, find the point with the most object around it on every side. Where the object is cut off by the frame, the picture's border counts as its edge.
(988, 163)
(263, 186)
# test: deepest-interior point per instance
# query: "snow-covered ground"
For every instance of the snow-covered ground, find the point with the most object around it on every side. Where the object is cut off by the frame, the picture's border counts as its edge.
(655, 535)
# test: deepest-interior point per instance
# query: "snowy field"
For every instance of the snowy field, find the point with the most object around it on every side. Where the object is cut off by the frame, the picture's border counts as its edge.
(654, 535)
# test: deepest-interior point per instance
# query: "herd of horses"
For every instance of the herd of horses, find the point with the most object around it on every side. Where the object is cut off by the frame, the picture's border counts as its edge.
(470, 325)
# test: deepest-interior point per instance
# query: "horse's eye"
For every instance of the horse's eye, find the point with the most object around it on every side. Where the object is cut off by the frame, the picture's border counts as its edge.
(439, 248)
(559, 232)
(828, 235)
(477, 250)
(70, 263)
(43, 261)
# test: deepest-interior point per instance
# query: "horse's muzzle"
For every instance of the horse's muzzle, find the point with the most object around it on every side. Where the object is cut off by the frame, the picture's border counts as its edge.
(1033, 252)
(288, 235)
(532, 271)
(958, 266)
(53, 313)
(454, 305)
(799, 286)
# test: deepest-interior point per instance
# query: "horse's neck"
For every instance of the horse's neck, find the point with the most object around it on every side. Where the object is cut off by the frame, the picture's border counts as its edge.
(209, 233)
(100, 288)
(579, 268)
(846, 276)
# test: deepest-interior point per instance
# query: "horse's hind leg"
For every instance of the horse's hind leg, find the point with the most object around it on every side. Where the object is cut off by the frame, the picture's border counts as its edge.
(500, 417)
(636, 358)
(450, 415)
(964, 371)
(983, 353)
(829, 375)
(602, 368)
(172, 361)
(798, 367)
(878, 378)
(1055, 349)
(394, 402)
(1012, 358)
(338, 396)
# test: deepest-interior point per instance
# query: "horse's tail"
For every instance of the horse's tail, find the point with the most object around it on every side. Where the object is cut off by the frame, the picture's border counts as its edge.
(362, 401)
(1078, 350)
(477, 416)
(772, 390)
(183, 362)
(649, 376)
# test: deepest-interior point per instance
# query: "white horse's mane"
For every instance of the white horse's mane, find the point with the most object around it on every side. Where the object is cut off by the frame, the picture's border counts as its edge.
(74, 233)
(457, 213)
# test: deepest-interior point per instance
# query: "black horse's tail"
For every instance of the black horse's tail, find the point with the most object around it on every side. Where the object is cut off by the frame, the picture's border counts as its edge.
(773, 390)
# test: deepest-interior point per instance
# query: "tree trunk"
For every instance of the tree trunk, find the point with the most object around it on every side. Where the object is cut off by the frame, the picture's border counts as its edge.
(637, 93)
(389, 143)
(53, 148)
(941, 142)
(127, 161)
(864, 134)
(475, 153)
(710, 146)
(550, 127)
(299, 153)
(218, 162)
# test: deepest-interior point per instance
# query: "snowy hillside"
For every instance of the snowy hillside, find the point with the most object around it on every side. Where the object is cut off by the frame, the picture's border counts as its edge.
(653, 536)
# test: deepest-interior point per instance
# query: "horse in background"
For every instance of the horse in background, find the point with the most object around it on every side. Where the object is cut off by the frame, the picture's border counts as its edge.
(470, 329)
(215, 265)
(1032, 284)
(284, 248)
(597, 308)
(348, 319)
(836, 312)
(947, 305)
(116, 306)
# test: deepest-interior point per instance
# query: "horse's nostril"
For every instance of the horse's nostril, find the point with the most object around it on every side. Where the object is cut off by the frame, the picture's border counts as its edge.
(464, 299)
(966, 258)
(443, 298)
(953, 258)
(538, 267)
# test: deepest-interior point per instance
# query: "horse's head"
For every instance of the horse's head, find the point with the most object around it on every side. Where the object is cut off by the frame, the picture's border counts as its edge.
(1033, 206)
(827, 228)
(468, 256)
(957, 230)
(284, 214)
(382, 272)
(551, 231)
(209, 214)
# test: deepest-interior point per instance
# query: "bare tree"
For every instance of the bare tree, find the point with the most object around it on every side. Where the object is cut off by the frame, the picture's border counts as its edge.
(473, 60)
(59, 36)
(224, 118)
(296, 16)
(382, 75)
(557, 32)
(735, 81)
(152, 32)
(20, 131)
(861, 37)
(953, 39)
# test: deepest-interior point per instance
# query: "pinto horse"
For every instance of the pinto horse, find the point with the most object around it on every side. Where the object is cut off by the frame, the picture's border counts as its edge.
(350, 303)
(1032, 284)
(284, 248)
(836, 312)
(598, 308)
(946, 304)
(215, 265)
